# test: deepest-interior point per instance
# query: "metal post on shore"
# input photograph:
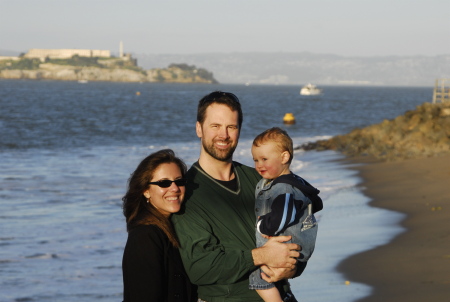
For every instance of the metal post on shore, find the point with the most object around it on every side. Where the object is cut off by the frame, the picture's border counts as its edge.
(441, 92)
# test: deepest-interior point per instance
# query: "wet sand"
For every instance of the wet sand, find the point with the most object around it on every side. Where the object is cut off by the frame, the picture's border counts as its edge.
(415, 265)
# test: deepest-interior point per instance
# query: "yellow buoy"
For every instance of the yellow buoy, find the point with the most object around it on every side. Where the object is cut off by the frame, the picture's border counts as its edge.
(289, 118)
(138, 93)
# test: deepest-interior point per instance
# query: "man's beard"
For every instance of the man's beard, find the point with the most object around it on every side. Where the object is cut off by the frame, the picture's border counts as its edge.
(219, 154)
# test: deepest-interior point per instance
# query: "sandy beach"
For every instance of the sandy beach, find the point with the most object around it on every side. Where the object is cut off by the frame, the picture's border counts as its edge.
(415, 265)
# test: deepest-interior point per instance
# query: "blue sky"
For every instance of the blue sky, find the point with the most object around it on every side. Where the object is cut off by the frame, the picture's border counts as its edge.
(342, 27)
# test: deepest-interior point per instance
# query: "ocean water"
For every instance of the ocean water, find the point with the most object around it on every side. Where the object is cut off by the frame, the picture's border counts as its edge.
(67, 150)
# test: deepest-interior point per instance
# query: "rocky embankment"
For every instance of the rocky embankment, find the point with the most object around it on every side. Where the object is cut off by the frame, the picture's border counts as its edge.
(181, 73)
(423, 132)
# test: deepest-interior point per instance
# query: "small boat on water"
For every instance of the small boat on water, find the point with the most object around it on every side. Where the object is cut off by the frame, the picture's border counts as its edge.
(82, 81)
(310, 89)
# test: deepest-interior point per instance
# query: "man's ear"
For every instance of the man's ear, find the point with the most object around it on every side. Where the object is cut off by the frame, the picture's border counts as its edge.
(285, 157)
(198, 129)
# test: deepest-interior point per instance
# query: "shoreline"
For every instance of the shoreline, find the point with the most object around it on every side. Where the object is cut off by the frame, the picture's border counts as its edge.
(415, 264)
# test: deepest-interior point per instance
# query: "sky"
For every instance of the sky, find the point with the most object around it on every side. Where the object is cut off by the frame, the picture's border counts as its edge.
(362, 28)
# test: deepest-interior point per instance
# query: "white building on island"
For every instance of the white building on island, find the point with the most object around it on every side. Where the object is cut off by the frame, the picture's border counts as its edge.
(42, 54)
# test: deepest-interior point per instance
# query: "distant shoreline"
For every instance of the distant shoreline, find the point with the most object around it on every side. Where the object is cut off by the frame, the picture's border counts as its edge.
(300, 68)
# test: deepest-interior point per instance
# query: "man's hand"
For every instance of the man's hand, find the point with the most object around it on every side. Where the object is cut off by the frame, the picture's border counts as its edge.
(276, 274)
(277, 254)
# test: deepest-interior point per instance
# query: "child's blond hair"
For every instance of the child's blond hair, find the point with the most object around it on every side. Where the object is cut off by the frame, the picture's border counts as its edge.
(280, 137)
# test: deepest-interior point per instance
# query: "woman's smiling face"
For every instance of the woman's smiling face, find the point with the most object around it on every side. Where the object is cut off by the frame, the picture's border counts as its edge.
(166, 200)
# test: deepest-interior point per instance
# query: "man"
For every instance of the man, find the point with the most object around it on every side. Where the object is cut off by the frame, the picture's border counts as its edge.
(216, 227)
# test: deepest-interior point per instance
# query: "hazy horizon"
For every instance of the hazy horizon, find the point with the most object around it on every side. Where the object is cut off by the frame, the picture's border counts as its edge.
(114, 52)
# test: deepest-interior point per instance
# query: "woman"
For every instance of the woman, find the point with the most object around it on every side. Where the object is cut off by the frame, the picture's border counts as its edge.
(151, 265)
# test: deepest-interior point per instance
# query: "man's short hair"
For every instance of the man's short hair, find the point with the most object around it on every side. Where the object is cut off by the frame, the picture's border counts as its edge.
(219, 97)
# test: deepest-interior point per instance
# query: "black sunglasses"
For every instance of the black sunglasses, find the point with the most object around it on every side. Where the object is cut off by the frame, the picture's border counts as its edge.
(167, 183)
(217, 95)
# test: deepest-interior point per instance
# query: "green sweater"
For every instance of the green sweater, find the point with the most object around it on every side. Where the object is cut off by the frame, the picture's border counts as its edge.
(216, 229)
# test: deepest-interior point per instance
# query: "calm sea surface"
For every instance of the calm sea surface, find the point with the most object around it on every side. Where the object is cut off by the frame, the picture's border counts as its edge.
(67, 149)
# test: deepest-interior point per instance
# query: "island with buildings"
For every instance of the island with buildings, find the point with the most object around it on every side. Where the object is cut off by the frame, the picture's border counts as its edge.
(94, 65)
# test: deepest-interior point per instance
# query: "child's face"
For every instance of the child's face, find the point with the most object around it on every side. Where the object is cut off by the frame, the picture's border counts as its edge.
(270, 162)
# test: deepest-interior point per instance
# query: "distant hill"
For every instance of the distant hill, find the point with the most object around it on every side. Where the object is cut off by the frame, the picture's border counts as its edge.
(302, 68)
